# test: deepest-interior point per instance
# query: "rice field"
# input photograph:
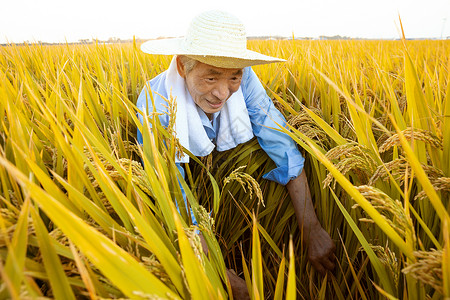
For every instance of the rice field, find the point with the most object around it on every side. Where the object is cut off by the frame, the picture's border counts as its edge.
(82, 219)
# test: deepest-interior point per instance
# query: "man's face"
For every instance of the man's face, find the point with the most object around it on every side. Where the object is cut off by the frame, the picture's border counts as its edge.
(210, 87)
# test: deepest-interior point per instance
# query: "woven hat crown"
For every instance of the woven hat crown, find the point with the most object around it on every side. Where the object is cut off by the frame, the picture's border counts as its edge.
(215, 38)
(216, 33)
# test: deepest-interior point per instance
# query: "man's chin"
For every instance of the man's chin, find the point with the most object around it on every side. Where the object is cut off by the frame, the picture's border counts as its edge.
(212, 111)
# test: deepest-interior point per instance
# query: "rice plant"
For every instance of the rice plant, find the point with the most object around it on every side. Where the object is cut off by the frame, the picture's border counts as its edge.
(82, 218)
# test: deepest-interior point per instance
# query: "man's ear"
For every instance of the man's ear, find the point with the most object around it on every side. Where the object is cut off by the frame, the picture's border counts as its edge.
(180, 67)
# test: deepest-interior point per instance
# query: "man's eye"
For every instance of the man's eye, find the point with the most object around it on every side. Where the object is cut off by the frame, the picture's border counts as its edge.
(210, 79)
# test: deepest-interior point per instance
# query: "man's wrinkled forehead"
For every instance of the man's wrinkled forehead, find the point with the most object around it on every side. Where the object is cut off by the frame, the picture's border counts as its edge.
(219, 71)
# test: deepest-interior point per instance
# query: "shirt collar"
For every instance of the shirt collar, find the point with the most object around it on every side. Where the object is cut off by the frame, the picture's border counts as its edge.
(206, 122)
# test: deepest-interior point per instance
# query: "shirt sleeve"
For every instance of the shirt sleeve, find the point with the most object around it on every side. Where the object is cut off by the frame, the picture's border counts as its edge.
(142, 105)
(264, 117)
(144, 102)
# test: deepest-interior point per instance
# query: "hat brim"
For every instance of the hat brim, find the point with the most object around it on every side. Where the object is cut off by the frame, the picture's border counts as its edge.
(174, 46)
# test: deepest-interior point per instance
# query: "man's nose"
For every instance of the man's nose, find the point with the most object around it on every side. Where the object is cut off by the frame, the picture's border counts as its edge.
(221, 91)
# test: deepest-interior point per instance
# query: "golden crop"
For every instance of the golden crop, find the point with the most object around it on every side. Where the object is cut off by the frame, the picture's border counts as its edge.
(81, 218)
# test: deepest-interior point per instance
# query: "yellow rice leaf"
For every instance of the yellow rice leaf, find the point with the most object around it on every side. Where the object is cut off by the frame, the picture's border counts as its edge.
(446, 133)
(246, 272)
(84, 273)
(58, 280)
(13, 274)
(354, 275)
(384, 293)
(199, 284)
(216, 190)
(269, 240)
(291, 291)
(336, 289)
(257, 270)
(97, 214)
(278, 295)
(417, 104)
(155, 173)
(100, 174)
(446, 259)
(77, 142)
(323, 288)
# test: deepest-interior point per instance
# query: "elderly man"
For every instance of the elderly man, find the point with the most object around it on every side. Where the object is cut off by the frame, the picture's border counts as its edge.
(221, 103)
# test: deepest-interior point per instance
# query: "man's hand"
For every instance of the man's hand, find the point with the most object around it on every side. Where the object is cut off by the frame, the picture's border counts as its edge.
(321, 250)
(238, 285)
(320, 246)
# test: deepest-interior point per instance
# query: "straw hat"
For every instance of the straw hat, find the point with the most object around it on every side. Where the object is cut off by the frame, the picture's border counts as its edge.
(215, 38)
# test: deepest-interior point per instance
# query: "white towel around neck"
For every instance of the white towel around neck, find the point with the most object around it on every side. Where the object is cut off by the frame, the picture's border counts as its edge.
(235, 127)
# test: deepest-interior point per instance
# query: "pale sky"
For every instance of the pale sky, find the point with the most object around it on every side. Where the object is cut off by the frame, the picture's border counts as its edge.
(61, 20)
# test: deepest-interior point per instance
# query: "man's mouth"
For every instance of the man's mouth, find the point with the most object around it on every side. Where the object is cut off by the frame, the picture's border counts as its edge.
(215, 104)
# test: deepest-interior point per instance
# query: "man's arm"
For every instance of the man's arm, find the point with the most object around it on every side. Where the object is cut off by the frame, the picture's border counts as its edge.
(320, 246)
(283, 151)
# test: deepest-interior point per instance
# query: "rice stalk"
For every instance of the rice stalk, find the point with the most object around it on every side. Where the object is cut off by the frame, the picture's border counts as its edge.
(427, 268)
(205, 221)
(439, 184)
(171, 130)
(156, 268)
(9, 220)
(391, 210)
(423, 135)
(245, 180)
(138, 173)
(389, 260)
(351, 157)
(305, 124)
(398, 168)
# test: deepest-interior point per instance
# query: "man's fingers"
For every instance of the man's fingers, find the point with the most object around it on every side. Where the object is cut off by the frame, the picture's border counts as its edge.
(321, 252)
(328, 264)
(333, 249)
(323, 264)
(319, 268)
(238, 286)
